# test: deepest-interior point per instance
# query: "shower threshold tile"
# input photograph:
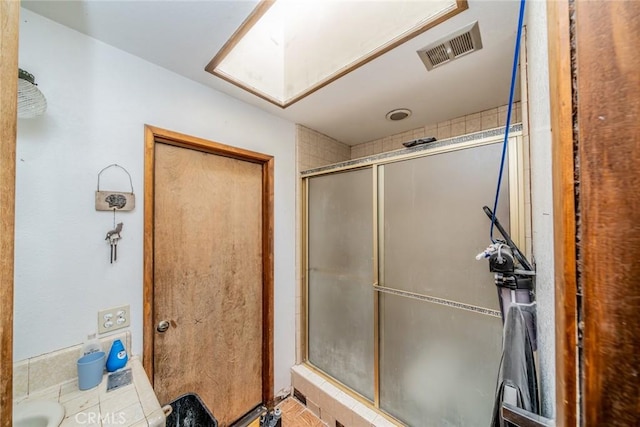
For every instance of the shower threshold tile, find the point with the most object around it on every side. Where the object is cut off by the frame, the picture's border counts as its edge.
(295, 414)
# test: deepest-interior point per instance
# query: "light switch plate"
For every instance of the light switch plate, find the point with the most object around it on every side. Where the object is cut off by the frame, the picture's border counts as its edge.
(113, 319)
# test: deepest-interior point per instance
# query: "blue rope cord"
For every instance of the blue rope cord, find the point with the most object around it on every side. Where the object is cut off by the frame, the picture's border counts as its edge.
(506, 132)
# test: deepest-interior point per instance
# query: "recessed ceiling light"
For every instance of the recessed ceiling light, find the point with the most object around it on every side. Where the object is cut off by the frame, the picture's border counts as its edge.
(398, 114)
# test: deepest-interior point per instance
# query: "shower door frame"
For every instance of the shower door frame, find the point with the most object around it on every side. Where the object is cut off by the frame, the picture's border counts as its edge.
(518, 196)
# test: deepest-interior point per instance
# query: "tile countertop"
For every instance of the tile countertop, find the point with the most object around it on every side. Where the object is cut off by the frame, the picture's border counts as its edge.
(134, 405)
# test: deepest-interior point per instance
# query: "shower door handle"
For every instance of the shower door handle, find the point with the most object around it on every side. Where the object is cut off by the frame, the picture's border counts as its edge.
(163, 325)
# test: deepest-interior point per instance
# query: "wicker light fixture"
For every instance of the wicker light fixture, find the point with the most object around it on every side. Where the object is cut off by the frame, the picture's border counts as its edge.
(31, 102)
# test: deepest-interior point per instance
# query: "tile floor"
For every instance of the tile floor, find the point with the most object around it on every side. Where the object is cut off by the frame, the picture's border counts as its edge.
(295, 414)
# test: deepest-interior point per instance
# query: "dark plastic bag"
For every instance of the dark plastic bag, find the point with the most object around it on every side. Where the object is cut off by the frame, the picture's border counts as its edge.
(189, 411)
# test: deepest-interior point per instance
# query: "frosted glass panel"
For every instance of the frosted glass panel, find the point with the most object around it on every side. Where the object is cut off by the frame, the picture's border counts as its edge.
(340, 308)
(438, 365)
(434, 224)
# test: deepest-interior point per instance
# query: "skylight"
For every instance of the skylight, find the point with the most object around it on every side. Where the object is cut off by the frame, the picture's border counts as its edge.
(288, 49)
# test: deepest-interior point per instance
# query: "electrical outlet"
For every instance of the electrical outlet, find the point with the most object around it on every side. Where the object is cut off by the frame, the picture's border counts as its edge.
(114, 318)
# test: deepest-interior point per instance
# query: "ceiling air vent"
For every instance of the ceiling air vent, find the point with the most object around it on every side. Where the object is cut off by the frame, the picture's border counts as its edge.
(455, 45)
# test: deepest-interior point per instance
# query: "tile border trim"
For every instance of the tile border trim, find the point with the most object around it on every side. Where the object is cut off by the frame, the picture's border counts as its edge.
(419, 148)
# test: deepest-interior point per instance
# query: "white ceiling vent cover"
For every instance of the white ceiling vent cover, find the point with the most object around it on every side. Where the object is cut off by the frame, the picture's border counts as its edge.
(455, 45)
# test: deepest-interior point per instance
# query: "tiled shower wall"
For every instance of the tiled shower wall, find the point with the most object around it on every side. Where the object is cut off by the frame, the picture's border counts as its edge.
(488, 119)
(315, 149)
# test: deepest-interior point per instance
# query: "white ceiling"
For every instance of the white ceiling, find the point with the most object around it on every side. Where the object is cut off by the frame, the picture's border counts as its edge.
(183, 36)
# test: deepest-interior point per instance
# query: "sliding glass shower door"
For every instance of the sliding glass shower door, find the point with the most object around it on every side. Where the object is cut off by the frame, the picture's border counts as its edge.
(440, 331)
(397, 308)
(340, 277)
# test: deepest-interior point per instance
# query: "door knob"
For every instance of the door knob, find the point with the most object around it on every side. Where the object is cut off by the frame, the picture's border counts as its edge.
(163, 325)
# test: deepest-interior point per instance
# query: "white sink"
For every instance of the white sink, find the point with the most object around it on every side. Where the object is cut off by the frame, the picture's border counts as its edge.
(38, 413)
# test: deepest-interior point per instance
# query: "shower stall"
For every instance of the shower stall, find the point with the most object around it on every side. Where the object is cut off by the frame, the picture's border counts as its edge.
(397, 311)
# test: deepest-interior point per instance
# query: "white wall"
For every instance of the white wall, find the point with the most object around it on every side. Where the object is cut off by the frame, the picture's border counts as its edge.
(542, 195)
(99, 100)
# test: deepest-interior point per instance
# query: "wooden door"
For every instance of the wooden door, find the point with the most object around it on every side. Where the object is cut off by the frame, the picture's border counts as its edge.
(208, 279)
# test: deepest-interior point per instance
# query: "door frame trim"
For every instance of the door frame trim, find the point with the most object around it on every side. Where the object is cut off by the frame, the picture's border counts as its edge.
(9, 32)
(564, 213)
(153, 135)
